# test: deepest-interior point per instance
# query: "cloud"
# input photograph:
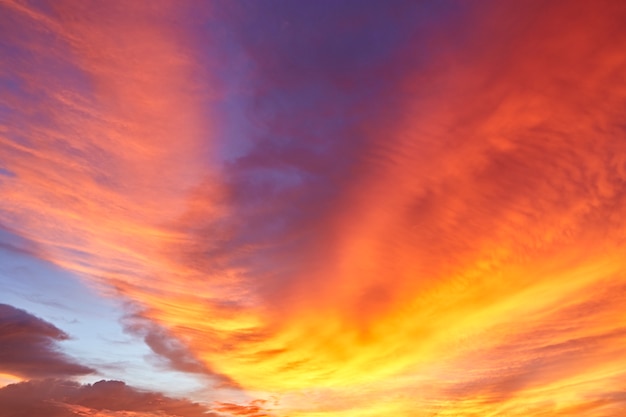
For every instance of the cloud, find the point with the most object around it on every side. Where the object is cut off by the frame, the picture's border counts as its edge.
(574, 344)
(170, 351)
(254, 409)
(416, 206)
(29, 347)
(61, 398)
(121, 121)
(475, 177)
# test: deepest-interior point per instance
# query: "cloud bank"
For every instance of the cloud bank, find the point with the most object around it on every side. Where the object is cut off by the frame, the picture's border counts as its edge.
(29, 347)
(61, 398)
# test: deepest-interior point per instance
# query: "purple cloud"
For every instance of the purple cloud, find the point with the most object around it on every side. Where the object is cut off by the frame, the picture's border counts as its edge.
(29, 347)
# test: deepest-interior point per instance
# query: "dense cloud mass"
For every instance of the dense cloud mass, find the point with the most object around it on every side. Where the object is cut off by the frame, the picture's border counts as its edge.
(28, 347)
(61, 398)
(255, 409)
(340, 208)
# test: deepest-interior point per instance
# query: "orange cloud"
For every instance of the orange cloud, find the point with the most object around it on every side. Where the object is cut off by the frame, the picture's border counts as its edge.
(108, 159)
(458, 252)
(254, 409)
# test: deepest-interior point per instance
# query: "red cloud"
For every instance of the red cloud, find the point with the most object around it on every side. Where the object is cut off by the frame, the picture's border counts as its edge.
(254, 409)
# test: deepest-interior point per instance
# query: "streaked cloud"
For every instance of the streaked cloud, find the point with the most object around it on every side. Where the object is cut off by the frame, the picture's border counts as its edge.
(254, 409)
(423, 219)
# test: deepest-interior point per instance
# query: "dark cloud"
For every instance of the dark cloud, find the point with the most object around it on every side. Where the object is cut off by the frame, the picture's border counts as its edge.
(61, 398)
(28, 347)
(170, 350)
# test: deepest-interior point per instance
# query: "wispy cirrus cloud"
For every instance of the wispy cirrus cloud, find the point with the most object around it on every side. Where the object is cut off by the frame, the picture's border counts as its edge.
(112, 131)
(421, 214)
(65, 398)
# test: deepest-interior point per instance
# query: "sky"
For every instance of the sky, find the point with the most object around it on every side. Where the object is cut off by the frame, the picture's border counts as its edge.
(330, 208)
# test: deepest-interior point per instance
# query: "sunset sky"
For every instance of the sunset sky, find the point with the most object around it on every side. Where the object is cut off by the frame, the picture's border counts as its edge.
(324, 208)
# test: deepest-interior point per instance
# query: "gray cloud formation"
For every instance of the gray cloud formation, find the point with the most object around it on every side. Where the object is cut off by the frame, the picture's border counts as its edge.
(28, 347)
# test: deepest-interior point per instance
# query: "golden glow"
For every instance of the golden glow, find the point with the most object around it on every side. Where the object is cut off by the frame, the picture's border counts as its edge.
(473, 267)
(6, 379)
